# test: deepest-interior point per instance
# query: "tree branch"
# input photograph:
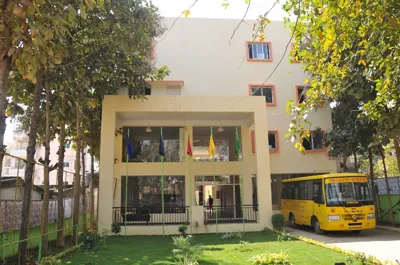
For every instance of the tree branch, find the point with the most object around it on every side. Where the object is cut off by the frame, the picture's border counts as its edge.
(244, 16)
(173, 24)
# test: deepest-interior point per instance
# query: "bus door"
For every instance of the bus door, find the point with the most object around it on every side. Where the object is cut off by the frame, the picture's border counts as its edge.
(319, 202)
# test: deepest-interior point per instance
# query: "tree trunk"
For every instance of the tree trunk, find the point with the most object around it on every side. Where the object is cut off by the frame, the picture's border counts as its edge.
(77, 183)
(91, 188)
(30, 156)
(396, 142)
(387, 186)
(60, 175)
(83, 189)
(4, 73)
(372, 177)
(45, 208)
(355, 163)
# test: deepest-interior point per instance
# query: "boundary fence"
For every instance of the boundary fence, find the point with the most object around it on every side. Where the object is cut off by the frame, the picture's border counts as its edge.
(11, 210)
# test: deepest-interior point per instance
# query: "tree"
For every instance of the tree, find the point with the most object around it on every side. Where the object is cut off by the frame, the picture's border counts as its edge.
(342, 42)
(27, 28)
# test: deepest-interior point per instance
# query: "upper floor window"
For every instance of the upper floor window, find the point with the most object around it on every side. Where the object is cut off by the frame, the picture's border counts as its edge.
(273, 141)
(315, 142)
(224, 141)
(259, 51)
(267, 91)
(67, 146)
(145, 143)
(296, 55)
(301, 94)
(66, 164)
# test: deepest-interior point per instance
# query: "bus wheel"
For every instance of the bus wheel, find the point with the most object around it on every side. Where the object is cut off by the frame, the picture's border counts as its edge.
(317, 227)
(292, 220)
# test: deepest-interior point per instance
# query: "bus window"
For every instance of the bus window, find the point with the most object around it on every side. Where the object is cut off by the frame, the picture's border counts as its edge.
(317, 191)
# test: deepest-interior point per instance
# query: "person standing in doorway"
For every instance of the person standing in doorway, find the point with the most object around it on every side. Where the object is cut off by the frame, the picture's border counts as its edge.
(210, 202)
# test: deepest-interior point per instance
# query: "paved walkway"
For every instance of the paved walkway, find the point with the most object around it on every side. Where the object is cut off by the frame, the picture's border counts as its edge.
(383, 244)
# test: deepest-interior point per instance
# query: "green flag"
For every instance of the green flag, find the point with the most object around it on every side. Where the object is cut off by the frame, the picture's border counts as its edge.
(237, 144)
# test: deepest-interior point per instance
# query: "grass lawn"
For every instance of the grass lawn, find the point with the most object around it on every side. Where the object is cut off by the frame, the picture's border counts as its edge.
(143, 250)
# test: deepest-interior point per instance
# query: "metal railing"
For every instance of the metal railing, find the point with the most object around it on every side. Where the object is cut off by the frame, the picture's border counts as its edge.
(229, 214)
(151, 215)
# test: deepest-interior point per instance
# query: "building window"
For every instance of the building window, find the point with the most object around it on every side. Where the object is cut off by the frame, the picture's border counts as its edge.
(66, 164)
(224, 141)
(259, 51)
(146, 145)
(273, 141)
(295, 55)
(266, 91)
(315, 142)
(145, 192)
(254, 192)
(67, 146)
(301, 94)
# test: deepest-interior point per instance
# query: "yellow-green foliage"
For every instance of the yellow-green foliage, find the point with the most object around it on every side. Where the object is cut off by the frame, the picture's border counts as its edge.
(270, 259)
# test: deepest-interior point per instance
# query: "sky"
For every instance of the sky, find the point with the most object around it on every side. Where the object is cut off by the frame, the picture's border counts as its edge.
(213, 8)
(203, 9)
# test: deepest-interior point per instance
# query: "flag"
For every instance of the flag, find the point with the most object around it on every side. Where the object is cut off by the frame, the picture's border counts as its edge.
(189, 148)
(129, 148)
(237, 144)
(211, 148)
(161, 151)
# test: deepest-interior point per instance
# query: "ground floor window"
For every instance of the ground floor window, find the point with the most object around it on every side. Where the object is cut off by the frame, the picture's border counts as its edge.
(146, 192)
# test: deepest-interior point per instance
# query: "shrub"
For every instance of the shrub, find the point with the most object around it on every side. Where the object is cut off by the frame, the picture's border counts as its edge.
(116, 228)
(278, 220)
(187, 260)
(232, 235)
(244, 246)
(181, 244)
(88, 239)
(182, 229)
(271, 259)
(285, 236)
(183, 251)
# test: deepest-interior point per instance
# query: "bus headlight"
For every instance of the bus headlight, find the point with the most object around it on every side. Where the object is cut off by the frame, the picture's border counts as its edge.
(371, 216)
(333, 217)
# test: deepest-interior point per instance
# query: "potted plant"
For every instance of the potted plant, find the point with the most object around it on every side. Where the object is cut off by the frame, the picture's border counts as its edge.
(182, 229)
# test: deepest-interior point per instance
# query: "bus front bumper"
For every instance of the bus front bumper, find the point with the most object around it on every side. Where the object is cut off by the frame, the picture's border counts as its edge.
(349, 226)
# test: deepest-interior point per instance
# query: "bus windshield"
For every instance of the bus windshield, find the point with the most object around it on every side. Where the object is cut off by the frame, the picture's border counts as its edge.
(347, 193)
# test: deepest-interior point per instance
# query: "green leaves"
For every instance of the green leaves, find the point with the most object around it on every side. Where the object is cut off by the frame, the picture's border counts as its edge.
(347, 49)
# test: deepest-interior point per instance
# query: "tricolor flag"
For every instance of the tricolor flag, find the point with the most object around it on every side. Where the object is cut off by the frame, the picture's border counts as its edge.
(161, 151)
(129, 148)
(189, 148)
(211, 148)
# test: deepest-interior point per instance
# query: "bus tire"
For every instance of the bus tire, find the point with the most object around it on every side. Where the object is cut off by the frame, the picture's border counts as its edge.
(292, 220)
(317, 226)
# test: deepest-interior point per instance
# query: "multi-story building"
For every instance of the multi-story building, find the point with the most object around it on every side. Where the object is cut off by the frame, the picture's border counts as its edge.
(18, 147)
(214, 84)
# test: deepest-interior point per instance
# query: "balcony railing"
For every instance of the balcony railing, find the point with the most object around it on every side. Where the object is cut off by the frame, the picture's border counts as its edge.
(228, 214)
(151, 215)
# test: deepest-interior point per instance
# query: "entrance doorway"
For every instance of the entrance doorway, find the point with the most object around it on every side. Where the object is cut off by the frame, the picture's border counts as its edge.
(225, 197)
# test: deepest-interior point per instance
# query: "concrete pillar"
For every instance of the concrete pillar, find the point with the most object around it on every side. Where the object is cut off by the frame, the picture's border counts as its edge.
(106, 167)
(263, 169)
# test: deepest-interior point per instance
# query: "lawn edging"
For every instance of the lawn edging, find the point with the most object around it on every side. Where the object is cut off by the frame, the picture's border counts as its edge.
(354, 254)
(62, 254)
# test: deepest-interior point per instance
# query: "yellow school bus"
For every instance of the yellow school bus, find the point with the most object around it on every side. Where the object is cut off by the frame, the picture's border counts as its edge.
(331, 202)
